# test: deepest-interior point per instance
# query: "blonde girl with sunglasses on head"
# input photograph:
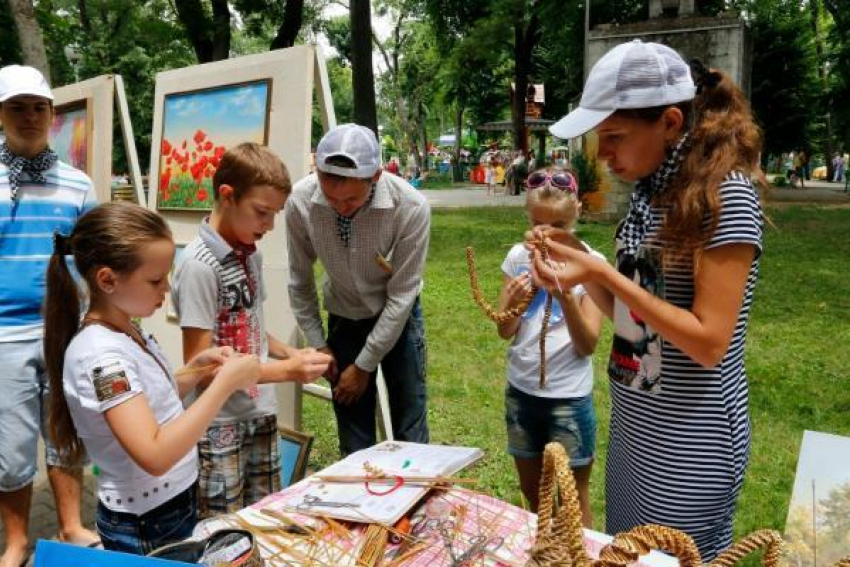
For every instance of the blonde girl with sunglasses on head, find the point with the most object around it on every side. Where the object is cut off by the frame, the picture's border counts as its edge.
(562, 410)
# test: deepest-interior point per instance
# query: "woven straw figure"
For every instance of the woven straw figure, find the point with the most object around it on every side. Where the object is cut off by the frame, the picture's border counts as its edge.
(560, 541)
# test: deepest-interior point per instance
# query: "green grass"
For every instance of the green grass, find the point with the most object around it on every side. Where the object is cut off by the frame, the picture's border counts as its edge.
(797, 351)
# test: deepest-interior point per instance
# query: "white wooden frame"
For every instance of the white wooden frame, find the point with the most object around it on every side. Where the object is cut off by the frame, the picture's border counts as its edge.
(98, 94)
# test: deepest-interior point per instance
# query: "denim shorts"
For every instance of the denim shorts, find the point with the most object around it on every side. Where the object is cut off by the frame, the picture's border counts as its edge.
(140, 534)
(24, 408)
(533, 421)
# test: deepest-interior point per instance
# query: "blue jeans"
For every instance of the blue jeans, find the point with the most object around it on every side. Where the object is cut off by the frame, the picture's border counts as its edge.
(533, 421)
(404, 372)
(140, 534)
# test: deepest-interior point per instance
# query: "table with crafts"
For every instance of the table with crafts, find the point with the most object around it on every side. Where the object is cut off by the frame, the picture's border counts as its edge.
(337, 518)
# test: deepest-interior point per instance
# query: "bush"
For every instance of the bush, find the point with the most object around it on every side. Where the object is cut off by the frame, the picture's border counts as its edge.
(584, 168)
(779, 181)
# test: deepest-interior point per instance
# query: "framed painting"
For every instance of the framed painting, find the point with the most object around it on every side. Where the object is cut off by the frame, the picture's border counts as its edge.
(817, 527)
(70, 134)
(277, 89)
(295, 449)
(82, 132)
(197, 128)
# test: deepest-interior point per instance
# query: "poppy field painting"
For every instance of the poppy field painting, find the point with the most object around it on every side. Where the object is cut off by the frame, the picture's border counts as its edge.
(69, 135)
(198, 127)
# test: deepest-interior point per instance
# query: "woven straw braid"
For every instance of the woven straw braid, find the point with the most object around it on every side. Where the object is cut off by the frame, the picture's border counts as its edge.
(628, 547)
(508, 314)
(560, 539)
(768, 540)
(489, 310)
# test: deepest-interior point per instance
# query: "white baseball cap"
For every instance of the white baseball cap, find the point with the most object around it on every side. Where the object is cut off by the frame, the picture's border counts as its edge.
(354, 142)
(631, 75)
(17, 80)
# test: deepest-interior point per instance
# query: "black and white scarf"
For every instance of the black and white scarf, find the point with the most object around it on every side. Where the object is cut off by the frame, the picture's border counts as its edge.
(343, 223)
(35, 167)
(637, 222)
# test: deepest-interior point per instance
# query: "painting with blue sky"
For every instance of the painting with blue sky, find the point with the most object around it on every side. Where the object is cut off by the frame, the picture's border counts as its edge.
(197, 128)
(818, 526)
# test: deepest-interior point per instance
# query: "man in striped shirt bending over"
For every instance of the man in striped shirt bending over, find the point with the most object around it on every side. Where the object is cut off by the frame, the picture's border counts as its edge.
(39, 195)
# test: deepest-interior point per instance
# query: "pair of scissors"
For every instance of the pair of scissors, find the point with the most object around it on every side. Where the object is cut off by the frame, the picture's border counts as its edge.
(426, 527)
(477, 545)
(311, 501)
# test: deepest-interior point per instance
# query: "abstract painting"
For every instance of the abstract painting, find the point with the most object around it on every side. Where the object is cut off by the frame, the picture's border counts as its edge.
(69, 135)
(197, 129)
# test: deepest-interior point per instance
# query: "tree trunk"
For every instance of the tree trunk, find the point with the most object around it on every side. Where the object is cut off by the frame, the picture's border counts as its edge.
(293, 15)
(424, 132)
(220, 30)
(458, 173)
(29, 32)
(815, 7)
(209, 38)
(362, 77)
(525, 38)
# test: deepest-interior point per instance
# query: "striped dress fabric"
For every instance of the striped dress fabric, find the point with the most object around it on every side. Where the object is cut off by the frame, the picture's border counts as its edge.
(678, 453)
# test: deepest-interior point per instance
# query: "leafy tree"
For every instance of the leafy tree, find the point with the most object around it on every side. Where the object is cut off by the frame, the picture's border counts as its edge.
(411, 61)
(784, 83)
(339, 76)
(10, 46)
(838, 59)
(338, 32)
(208, 30)
(30, 37)
(136, 40)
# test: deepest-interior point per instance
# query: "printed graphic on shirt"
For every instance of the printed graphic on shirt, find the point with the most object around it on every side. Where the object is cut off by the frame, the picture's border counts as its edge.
(110, 381)
(237, 322)
(539, 301)
(636, 351)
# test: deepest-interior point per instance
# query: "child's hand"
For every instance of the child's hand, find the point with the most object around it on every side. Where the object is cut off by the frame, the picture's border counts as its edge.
(239, 372)
(204, 366)
(307, 365)
(564, 267)
(517, 289)
(537, 235)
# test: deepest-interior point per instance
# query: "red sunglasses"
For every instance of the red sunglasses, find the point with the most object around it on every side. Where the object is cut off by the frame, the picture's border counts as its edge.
(560, 180)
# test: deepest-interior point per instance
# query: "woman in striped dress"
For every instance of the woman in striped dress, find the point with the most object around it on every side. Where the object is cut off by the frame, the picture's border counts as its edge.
(679, 294)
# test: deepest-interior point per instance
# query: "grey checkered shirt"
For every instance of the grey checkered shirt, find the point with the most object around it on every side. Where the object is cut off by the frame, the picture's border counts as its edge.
(395, 225)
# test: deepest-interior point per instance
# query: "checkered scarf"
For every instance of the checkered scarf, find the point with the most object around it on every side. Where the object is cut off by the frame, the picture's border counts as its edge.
(343, 223)
(639, 218)
(35, 167)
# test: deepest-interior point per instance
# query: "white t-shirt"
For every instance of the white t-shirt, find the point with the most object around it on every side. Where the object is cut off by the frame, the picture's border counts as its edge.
(567, 374)
(105, 368)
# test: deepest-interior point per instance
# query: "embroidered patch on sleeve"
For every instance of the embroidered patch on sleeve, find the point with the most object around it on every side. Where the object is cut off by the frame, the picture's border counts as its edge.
(110, 381)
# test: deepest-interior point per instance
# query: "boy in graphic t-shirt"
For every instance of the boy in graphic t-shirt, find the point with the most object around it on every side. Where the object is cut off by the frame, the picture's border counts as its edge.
(218, 294)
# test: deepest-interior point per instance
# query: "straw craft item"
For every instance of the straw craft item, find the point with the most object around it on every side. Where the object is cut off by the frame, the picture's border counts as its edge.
(560, 540)
(500, 317)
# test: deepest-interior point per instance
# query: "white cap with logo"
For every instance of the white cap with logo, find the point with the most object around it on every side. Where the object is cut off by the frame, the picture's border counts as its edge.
(631, 75)
(17, 80)
(354, 142)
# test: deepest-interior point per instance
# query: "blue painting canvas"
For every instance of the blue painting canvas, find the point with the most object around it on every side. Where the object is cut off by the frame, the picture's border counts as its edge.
(197, 128)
